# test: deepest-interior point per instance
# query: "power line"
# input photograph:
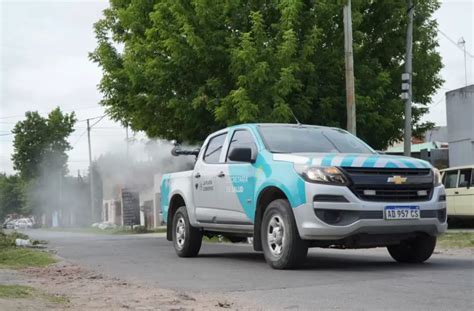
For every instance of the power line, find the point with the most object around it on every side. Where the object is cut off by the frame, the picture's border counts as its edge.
(13, 116)
(78, 139)
(93, 118)
(98, 120)
(88, 127)
(455, 43)
(101, 128)
(437, 103)
(43, 111)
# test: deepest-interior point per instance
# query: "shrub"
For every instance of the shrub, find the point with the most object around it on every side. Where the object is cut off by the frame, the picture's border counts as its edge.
(8, 240)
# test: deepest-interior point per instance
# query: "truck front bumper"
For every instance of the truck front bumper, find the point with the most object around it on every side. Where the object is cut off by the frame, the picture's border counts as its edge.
(363, 217)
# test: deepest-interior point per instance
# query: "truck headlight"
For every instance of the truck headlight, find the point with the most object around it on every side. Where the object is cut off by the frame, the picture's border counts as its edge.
(436, 177)
(324, 175)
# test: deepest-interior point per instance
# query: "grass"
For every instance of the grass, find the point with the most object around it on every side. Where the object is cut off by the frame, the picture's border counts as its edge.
(456, 240)
(19, 258)
(24, 292)
(12, 257)
(16, 291)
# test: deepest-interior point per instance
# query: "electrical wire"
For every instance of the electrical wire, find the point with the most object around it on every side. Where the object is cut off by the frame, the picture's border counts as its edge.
(455, 43)
(90, 127)
(98, 120)
(78, 139)
(93, 118)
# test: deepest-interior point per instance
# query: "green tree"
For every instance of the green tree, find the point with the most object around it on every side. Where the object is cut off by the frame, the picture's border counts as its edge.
(39, 155)
(12, 195)
(40, 144)
(179, 69)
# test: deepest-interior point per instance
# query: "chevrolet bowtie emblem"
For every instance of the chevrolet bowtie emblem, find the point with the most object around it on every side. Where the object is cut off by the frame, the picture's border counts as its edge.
(398, 180)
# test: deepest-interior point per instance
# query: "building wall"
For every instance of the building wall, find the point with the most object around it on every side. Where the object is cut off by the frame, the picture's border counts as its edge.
(438, 133)
(460, 117)
(146, 196)
(437, 157)
(111, 212)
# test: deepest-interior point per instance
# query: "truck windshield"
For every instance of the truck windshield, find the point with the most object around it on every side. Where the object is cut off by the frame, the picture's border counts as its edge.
(308, 139)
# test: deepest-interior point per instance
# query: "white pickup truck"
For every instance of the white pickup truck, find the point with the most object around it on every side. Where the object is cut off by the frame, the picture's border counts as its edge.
(292, 187)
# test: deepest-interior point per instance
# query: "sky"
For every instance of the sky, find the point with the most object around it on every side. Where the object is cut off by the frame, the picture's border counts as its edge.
(44, 63)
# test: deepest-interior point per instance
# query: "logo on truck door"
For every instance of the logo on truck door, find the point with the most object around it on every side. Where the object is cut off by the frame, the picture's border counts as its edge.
(206, 185)
(397, 180)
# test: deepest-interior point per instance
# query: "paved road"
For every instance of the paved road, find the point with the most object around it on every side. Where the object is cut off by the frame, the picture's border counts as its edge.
(331, 279)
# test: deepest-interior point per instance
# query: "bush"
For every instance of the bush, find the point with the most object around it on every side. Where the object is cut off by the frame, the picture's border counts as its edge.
(8, 240)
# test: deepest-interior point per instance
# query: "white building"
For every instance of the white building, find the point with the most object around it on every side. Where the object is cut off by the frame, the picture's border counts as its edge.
(460, 118)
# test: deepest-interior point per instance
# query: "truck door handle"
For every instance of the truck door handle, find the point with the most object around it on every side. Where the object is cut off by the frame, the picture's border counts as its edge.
(456, 192)
(221, 174)
(197, 175)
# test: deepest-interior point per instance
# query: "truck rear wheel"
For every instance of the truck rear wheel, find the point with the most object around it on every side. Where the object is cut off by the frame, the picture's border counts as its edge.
(416, 250)
(281, 243)
(186, 239)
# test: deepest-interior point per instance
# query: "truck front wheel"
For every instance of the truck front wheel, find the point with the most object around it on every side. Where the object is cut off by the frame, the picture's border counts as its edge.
(186, 239)
(416, 250)
(281, 243)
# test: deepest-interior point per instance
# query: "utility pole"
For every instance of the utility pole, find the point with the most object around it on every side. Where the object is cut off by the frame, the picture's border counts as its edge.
(126, 137)
(91, 175)
(462, 43)
(349, 60)
(407, 76)
(60, 199)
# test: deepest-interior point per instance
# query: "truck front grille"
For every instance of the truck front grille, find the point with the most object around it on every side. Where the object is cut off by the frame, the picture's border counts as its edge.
(392, 195)
(372, 184)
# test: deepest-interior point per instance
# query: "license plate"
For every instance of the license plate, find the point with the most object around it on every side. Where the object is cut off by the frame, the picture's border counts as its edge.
(402, 212)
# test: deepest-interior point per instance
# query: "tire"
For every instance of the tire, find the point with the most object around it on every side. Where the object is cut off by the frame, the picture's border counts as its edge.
(416, 250)
(186, 239)
(281, 242)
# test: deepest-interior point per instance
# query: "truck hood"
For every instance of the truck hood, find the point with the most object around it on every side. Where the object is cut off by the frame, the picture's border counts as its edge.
(352, 160)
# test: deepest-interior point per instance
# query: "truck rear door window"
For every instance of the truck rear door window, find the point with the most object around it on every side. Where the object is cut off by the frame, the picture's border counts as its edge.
(214, 149)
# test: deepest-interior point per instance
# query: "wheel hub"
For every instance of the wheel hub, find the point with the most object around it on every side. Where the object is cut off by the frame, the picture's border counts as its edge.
(180, 232)
(276, 235)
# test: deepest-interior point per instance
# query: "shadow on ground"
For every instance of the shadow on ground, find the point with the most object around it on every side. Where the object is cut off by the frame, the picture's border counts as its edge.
(350, 262)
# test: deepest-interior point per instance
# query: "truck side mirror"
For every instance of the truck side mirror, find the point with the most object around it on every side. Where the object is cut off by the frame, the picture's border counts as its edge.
(241, 155)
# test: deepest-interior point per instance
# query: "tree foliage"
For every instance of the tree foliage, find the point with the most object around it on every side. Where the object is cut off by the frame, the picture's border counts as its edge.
(12, 195)
(40, 144)
(179, 69)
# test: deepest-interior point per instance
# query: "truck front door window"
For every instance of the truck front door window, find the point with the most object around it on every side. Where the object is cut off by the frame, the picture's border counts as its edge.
(241, 139)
